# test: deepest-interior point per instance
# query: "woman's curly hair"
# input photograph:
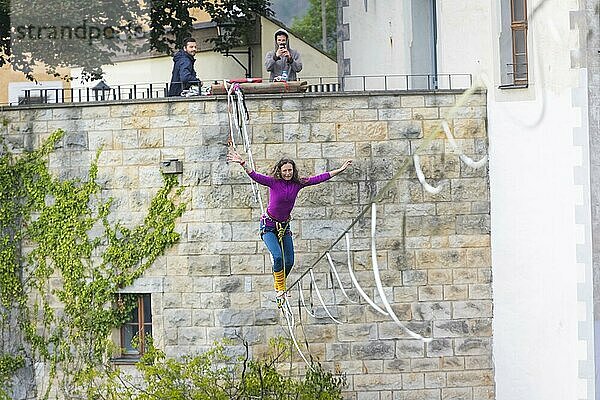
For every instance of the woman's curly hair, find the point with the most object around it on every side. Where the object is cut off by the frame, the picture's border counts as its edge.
(276, 172)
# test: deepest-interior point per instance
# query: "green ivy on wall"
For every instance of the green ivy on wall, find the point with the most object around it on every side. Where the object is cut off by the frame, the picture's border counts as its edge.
(62, 260)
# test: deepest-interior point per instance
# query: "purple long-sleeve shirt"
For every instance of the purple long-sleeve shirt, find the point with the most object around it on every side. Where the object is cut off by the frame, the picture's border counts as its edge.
(282, 193)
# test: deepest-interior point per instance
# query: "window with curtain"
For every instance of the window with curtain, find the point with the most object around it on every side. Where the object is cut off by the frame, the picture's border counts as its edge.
(518, 27)
(137, 328)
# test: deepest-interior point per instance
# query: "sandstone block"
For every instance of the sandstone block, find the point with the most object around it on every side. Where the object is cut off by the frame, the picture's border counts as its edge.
(177, 317)
(484, 393)
(440, 347)
(457, 394)
(420, 113)
(414, 277)
(365, 115)
(338, 150)
(289, 117)
(373, 350)
(456, 292)
(407, 129)
(439, 276)
(309, 116)
(430, 293)
(465, 275)
(266, 316)
(192, 336)
(425, 364)
(470, 378)
(396, 365)
(472, 309)
(479, 362)
(267, 133)
(472, 346)
(413, 380)
(367, 382)
(235, 317)
(435, 380)
(337, 351)
(409, 348)
(377, 102)
(431, 310)
(452, 363)
(480, 291)
(394, 114)
(357, 332)
(440, 100)
(441, 258)
(336, 116)
(202, 317)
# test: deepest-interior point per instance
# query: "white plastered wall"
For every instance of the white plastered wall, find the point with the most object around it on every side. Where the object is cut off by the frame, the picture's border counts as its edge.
(380, 37)
(533, 200)
(537, 252)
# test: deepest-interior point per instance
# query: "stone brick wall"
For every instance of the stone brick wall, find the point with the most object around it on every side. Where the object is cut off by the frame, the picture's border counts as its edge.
(433, 250)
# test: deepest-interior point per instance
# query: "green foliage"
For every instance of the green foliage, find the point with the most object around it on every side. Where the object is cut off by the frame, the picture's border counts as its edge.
(217, 375)
(62, 261)
(97, 31)
(65, 227)
(310, 27)
(8, 366)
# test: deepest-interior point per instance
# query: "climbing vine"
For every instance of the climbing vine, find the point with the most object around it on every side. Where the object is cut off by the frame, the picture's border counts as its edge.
(62, 260)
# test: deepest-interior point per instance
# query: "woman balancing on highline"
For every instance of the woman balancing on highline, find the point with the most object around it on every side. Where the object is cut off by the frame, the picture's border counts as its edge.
(275, 231)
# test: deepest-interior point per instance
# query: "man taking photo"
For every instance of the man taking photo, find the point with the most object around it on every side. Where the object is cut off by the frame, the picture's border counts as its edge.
(283, 62)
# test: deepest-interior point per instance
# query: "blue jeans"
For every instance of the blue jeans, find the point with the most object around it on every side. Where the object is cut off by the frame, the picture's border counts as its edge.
(269, 236)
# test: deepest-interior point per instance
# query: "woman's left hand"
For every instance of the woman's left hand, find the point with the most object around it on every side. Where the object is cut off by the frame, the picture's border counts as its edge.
(346, 165)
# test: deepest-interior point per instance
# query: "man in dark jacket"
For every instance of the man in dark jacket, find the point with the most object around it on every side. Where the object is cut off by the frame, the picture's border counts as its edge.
(283, 60)
(184, 74)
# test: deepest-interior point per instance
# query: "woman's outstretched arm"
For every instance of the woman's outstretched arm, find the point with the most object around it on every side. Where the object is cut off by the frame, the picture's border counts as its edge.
(233, 156)
(340, 169)
(313, 180)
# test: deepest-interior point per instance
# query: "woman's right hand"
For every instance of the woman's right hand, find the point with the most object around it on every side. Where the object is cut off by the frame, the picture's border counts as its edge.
(233, 156)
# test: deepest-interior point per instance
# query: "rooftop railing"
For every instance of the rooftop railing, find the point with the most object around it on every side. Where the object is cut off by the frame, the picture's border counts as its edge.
(351, 83)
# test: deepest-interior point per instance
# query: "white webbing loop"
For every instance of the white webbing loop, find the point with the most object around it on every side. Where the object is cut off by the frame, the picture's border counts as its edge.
(318, 292)
(382, 295)
(466, 159)
(355, 282)
(289, 319)
(421, 177)
(337, 277)
(308, 310)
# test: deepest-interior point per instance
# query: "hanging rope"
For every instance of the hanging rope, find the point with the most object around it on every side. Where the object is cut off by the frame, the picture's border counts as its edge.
(238, 118)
